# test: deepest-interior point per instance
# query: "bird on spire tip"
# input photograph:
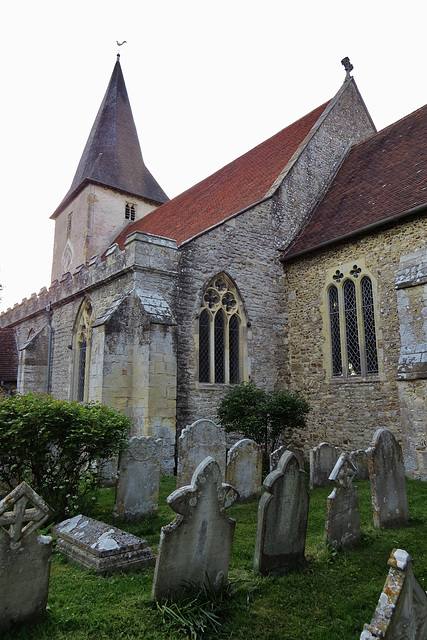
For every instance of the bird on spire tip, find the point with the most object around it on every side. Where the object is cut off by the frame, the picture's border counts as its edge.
(119, 44)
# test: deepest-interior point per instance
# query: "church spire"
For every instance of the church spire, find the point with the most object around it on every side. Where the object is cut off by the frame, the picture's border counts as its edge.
(112, 155)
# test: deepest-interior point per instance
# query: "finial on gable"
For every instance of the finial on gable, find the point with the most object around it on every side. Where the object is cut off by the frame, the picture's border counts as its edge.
(347, 66)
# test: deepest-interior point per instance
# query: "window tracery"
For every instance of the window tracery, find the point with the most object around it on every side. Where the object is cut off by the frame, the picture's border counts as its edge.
(220, 333)
(352, 332)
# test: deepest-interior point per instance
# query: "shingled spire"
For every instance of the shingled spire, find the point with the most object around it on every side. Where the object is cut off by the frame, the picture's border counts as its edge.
(112, 155)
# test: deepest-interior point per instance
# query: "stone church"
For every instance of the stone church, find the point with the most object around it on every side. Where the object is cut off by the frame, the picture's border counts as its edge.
(301, 265)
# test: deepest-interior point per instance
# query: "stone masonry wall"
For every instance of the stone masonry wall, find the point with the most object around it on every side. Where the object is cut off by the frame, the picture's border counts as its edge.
(244, 249)
(347, 412)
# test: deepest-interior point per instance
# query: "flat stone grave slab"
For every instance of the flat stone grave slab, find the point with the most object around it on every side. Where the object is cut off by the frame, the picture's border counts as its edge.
(102, 547)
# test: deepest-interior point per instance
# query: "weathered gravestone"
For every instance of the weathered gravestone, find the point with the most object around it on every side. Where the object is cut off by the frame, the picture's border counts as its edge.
(244, 469)
(24, 557)
(108, 472)
(342, 527)
(282, 518)
(387, 477)
(323, 458)
(359, 458)
(196, 546)
(137, 490)
(401, 612)
(199, 440)
(96, 545)
(278, 453)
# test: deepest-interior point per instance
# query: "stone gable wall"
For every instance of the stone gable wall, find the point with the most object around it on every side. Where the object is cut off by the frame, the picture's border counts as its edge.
(347, 413)
(244, 249)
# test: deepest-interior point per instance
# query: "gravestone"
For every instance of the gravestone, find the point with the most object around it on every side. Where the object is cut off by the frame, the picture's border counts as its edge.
(359, 458)
(99, 546)
(244, 469)
(108, 472)
(401, 612)
(137, 491)
(196, 546)
(24, 557)
(282, 518)
(342, 527)
(197, 441)
(387, 477)
(278, 453)
(323, 458)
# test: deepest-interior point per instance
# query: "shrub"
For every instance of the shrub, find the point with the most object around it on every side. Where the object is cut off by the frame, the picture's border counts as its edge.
(57, 447)
(262, 416)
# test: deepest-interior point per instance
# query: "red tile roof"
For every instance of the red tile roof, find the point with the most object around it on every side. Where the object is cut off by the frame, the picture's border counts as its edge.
(233, 188)
(8, 356)
(381, 178)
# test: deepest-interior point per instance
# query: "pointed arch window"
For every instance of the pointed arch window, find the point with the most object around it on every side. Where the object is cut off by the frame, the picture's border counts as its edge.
(82, 340)
(130, 211)
(221, 344)
(352, 331)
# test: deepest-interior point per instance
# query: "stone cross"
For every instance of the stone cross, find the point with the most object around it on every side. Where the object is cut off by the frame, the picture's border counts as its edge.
(342, 527)
(196, 546)
(24, 557)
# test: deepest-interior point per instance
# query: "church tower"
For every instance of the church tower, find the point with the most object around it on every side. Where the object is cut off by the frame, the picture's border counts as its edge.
(111, 187)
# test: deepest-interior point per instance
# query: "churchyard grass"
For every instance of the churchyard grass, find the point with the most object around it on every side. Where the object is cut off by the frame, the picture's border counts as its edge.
(330, 597)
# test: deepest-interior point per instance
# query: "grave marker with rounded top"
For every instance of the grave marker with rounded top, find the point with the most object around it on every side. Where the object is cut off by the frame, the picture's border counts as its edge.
(282, 518)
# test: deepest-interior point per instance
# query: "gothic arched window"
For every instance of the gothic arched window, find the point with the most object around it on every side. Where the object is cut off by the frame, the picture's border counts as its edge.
(82, 339)
(352, 331)
(221, 333)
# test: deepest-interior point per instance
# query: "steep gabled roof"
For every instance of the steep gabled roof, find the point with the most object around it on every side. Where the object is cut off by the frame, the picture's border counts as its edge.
(8, 356)
(233, 188)
(382, 178)
(112, 155)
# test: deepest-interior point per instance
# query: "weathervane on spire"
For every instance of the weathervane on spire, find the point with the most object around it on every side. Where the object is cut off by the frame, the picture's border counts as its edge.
(347, 66)
(119, 44)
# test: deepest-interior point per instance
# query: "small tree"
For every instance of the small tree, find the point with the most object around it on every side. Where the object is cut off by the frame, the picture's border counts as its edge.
(262, 416)
(57, 447)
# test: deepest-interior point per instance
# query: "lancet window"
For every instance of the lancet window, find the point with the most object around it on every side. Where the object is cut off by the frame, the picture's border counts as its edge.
(82, 340)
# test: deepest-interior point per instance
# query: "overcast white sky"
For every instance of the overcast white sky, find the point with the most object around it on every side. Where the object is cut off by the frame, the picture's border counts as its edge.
(207, 81)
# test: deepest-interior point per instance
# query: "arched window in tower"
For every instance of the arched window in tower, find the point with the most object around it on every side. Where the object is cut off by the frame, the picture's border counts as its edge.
(221, 341)
(82, 340)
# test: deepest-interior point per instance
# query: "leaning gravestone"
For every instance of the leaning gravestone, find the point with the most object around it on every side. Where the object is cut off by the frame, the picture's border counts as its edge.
(137, 491)
(282, 518)
(196, 546)
(322, 460)
(244, 469)
(401, 612)
(387, 477)
(342, 527)
(199, 440)
(24, 557)
(96, 545)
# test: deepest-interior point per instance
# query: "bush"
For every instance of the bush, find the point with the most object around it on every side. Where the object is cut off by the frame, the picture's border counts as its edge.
(262, 416)
(57, 446)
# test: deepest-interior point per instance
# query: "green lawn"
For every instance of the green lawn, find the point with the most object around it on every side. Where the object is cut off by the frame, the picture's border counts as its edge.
(329, 598)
